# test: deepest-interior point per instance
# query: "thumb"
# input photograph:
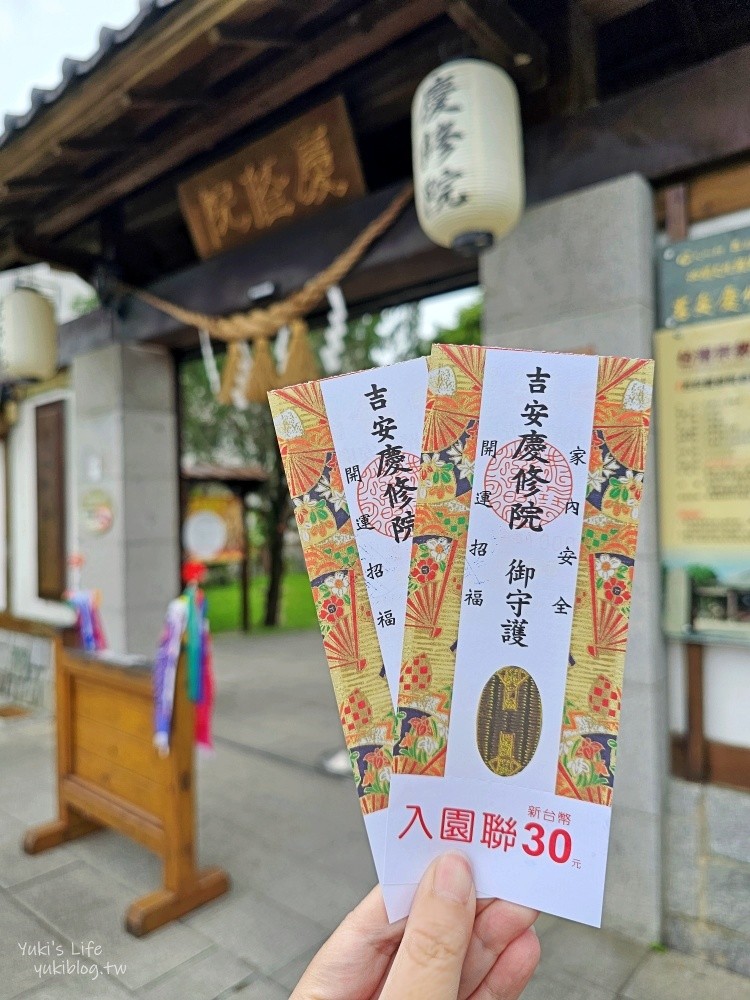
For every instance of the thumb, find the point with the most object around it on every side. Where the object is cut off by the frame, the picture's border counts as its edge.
(437, 935)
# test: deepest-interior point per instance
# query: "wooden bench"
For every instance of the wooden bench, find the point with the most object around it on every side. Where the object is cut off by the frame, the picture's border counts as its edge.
(110, 775)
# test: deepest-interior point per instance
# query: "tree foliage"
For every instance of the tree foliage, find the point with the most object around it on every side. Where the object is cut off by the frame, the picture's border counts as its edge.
(84, 302)
(466, 330)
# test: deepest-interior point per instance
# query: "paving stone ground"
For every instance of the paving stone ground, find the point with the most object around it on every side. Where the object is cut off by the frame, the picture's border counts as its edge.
(292, 840)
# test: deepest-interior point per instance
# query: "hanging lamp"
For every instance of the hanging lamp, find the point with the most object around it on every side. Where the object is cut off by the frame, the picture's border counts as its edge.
(467, 155)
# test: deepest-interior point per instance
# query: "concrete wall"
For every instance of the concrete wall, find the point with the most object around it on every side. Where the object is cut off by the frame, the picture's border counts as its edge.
(708, 873)
(578, 273)
(126, 443)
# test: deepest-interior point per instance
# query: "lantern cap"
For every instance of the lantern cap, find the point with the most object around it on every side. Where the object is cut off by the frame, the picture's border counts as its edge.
(474, 243)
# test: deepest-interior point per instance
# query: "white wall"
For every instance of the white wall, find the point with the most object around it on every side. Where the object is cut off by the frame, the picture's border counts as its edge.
(25, 602)
(726, 693)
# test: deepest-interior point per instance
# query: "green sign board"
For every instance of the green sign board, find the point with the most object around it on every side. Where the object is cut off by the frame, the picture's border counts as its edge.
(704, 280)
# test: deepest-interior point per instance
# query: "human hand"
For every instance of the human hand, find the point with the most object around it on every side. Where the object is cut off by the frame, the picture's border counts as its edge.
(451, 947)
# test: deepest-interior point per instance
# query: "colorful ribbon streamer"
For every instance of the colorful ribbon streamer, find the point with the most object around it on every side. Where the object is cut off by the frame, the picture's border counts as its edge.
(186, 626)
(85, 603)
(165, 671)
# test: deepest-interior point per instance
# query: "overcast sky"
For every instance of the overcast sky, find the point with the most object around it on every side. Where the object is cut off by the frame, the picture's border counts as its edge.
(36, 35)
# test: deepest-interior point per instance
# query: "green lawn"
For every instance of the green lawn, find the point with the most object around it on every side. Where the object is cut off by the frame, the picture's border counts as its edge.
(297, 608)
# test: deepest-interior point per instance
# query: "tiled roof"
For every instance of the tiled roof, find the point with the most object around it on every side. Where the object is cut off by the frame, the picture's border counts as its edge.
(75, 70)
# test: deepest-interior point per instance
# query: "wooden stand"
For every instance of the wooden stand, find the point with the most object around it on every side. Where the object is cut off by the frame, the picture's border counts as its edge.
(696, 758)
(110, 775)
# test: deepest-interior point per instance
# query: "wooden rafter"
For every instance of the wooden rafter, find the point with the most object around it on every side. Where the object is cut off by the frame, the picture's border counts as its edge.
(330, 53)
(608, 10)
(102, 146)
(503, 37)
(14, 212)
(235, 36)
(33, 185)
(171, 96)
(78, 261)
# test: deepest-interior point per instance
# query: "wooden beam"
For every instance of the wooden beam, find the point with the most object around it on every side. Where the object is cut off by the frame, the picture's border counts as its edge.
(697, 757)
(78, 261)
(727, 765)
(330, 53)
(378, 100)
(719, 192)
(602, 11)
(105, 147)
(579, 90)
(247, 37)
(15, 212)
(33, 185)
(573, 77)
(676, 125)
(12, 254)
(164, 97)
(402, 259)
(676, 212)
(503, 37)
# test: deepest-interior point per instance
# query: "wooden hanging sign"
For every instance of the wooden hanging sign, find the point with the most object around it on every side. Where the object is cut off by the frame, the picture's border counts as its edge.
(289, 174)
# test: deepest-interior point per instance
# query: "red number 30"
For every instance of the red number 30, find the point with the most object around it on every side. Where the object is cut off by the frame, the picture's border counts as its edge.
(557, 851)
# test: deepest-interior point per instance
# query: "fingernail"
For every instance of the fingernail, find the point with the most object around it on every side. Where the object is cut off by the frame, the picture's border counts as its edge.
(452, 878)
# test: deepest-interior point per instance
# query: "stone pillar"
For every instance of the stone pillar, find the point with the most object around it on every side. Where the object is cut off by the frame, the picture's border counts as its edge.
(576, 274)
(127, 454)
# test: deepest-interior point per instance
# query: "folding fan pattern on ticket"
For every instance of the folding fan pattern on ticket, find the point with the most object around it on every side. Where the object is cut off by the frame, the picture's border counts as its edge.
(510, 692)
(341, 602)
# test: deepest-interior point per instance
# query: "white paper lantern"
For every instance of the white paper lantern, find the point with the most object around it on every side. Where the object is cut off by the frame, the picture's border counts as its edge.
(28, 337)
(468, 155)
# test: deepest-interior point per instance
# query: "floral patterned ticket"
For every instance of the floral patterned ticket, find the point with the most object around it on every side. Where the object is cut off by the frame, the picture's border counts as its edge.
(454, 394)
(605, 569)
(376, 424)
(517, 615)
(593, 690)
(338, 586)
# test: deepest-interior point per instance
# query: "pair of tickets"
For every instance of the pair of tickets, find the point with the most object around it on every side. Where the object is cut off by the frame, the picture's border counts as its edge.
(469, 525)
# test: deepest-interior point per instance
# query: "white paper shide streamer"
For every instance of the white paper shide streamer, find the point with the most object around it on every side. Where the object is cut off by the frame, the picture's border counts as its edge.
(330, 353)
(239, 399)
(209, 362)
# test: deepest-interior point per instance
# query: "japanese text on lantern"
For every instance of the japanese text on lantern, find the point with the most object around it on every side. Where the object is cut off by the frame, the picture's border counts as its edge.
(286, 175)
(440, 106)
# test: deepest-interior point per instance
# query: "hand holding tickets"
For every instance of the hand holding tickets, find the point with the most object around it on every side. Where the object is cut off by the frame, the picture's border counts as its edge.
(474, 592)
(451, 947)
